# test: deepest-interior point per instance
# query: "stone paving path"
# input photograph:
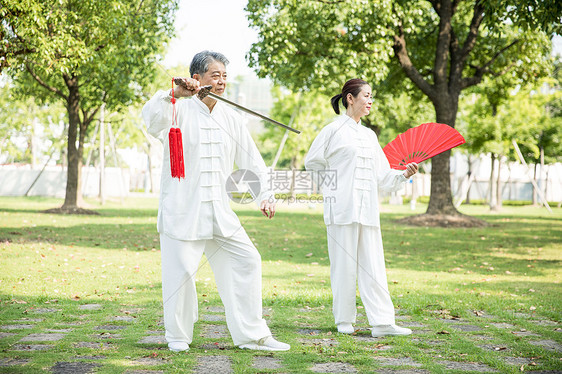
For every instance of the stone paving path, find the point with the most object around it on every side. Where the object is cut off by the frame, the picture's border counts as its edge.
(212, 350)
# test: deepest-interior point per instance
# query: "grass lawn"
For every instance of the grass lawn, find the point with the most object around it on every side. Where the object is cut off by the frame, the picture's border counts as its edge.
(490, 296)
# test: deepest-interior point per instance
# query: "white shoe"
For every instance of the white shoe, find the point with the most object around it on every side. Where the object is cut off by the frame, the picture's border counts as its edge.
(384, 330)
(345, 328)
(266, 344)
(178, 346)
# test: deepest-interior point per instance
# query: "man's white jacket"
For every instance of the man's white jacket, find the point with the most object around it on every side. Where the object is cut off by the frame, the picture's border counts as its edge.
(212, 143)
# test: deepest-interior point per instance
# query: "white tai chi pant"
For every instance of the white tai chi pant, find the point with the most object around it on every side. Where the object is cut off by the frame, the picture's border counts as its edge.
(356, 256)
(236, 264)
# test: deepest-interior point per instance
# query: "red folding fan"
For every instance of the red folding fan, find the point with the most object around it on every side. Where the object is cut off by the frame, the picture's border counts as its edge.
(420, 143)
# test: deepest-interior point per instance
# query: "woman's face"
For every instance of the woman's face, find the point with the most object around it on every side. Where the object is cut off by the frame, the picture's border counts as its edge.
(360, 105)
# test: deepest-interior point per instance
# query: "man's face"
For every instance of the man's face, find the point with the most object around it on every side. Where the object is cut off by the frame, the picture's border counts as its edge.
(215, 76)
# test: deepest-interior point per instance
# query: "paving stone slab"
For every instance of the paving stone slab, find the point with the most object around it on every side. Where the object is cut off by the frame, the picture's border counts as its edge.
(333, 367)
(502, 325)
(467, 366)
(74, 367)
(322, 342)
(546, 322)
(92, 345)
(31, 347)
(213, 318)
(107, 335)
(214, 331)
(213, 365)
(42, 337)
(16, 327)
(110, 327)
(402, 371)
(215, 345)
(397, 361)
(265, 362)
(467, 328)
(96, 357)
(122, 318)
(522, 315)
(480, 337)
(453, 321)
(45, 310)
(215, 309)
(90, 307)
(61, 331)
(25, 319)
(6, 334)
(153, 339)
(5, 362)
(518, 361)
(524, 333)
(549, 345)
(494, 347)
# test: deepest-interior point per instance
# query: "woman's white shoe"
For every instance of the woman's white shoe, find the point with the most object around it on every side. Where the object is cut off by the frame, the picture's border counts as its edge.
(178, 346)
(346, 328)
(385, 330)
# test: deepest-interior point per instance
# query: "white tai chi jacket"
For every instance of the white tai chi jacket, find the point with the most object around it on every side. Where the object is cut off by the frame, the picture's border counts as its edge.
(350, 167)
(212, 143)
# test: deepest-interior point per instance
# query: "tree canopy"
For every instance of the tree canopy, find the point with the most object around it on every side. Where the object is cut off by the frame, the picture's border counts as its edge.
(442, 46)
(85, 53)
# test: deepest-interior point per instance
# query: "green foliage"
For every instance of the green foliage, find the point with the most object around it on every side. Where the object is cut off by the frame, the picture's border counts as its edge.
(524, 116)
(313, 44)
(108, 45)
(25, 121)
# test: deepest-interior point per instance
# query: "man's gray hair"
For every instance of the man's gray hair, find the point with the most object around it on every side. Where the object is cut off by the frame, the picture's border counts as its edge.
(202, 60)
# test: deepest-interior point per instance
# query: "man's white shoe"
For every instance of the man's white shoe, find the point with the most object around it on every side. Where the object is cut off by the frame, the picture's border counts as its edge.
(385, 330)
(345, 328)
(266, 344)
(178, 346)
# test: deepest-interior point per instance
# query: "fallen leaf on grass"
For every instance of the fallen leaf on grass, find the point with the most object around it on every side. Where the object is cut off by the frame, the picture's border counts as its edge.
(444, 332)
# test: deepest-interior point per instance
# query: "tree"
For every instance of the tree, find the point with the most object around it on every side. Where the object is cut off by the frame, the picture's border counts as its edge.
(442, 46)
(86, 53)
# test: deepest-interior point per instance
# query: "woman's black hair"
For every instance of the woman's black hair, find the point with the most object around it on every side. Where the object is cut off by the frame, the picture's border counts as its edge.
(353, 87)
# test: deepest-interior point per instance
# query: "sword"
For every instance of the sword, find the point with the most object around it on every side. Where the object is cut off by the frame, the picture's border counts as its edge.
(206, 91)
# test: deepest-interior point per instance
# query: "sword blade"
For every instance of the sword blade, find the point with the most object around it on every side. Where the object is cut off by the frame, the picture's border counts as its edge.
(206, 91)
(217, 97)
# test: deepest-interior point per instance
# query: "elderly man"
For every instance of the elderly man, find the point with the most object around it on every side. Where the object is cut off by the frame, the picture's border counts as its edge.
(194, 216)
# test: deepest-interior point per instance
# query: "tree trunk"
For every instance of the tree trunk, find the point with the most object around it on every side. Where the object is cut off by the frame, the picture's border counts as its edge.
(467, 200)
(491, 184)
(535, 200)
(499, 185)
(441, 199)
(73, 195)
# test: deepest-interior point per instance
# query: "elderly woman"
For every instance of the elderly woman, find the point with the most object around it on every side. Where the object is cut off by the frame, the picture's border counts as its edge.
(351, 210)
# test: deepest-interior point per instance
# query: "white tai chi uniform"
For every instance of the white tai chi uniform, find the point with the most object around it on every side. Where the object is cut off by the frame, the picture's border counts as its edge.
(194, 216)
(351, 167)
